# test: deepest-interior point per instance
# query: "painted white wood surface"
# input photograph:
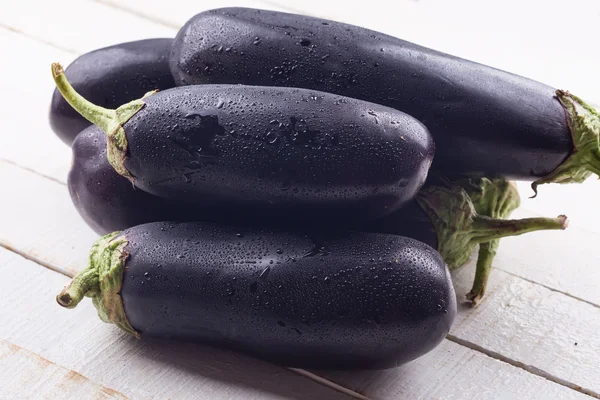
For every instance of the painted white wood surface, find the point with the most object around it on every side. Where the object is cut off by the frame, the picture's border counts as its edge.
(551, 334)
(26, 375)
(77, 25)
(453, 371)
(175, 14)
(39, 221)
(28, 139)
(77, 340)
(48, 229)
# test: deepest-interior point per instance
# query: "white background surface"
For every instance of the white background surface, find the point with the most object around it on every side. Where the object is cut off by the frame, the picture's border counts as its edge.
(534, 336)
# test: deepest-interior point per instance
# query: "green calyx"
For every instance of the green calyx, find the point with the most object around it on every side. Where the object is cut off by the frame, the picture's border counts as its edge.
(584, 160)
(110, 121)
(101, 280)
(460, 228)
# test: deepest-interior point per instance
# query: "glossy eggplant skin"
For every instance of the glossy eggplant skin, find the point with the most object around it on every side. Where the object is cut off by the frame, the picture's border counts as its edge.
(484, 121)
(278, 153)
(106, 201)
(110, 77)
(410, 221)
(346, 300)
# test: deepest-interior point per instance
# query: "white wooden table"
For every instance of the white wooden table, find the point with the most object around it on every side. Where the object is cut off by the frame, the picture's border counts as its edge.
(536, 335)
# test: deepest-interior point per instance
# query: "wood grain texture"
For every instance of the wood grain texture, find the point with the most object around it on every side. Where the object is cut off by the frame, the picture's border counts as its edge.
(28, 139)
(40, 221)
(175, 13)
(78, 341)
(26, 375)
(531, 325)
(77, 25)
(452, 371)
(562, 261)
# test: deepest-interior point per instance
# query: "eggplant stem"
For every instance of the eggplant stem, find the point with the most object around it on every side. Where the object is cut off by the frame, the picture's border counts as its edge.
(103, 118)
(110, 121)
(84, 283)
(487, 252)
(102, 280)
(485, 228)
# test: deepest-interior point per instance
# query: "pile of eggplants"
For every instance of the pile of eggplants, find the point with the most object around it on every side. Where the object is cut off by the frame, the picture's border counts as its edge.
(297, 188)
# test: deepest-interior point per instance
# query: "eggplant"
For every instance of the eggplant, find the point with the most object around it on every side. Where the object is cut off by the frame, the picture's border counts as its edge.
(278, 153)
(343, 300)
(485, 122)
(454, 216)
(112, 76)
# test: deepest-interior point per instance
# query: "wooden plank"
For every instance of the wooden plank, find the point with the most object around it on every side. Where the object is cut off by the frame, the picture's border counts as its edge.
(27, 89)
(452, 371)
(561, 261)
(553, 334)
(175, 13)
(533, 46)
(39, 220)
(78, 341)
(26, 375)
(78, 26)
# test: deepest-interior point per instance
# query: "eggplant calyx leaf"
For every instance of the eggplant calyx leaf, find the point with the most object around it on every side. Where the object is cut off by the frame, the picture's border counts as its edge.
(584, 160)
(102, 280)
(460, 228)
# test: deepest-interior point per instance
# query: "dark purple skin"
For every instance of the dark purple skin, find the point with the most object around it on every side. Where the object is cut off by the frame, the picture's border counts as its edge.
(484, 121)
(343, 301)
(111, 77)
(410, 221)
(277, 153)
(107, 202)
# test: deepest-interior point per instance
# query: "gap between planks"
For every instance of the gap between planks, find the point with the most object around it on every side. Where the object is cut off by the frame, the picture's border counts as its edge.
(528, 368)
(38, 39)
(591, 303)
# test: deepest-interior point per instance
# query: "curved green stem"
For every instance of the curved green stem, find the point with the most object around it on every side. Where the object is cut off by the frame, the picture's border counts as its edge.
(584, 160)
(102, 280)
(487, 252)
(103, 118)
(478, 216)
(110, 121)
(484, 229)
